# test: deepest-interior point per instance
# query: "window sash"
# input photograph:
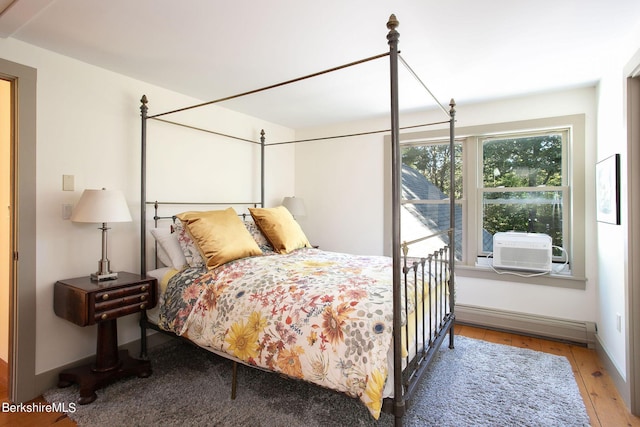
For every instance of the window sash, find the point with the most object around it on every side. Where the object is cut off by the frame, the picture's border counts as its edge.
(565, 188)
(564, 212)
(460, 189)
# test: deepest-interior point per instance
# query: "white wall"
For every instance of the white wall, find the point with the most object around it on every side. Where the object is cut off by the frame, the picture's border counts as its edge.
(342, 184)
(612, 242)
(88, 126)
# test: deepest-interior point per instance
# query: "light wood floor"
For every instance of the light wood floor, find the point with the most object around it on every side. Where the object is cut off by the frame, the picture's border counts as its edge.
(601, 399)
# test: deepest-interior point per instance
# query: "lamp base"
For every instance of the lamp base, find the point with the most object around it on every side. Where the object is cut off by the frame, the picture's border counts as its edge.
(104, 269)
(99, 277)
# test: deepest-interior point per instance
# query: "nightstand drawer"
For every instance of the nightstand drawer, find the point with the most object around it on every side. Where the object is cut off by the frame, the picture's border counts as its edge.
(121, 302)
(119, 312)
(111, 294)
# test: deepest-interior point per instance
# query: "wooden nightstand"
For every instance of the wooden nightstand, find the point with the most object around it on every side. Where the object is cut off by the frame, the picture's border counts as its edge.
(86, 302)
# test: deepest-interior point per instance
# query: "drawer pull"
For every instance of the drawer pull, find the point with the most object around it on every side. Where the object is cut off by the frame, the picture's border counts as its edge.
(143, 298)
(143, 306)
(143, 288)
(105, 297)
(104, 316)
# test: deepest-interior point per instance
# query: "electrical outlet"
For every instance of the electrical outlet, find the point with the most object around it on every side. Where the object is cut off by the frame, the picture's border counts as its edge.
(619, 322)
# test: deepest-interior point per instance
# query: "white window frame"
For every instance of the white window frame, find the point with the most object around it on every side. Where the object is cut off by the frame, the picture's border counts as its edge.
(472, 201)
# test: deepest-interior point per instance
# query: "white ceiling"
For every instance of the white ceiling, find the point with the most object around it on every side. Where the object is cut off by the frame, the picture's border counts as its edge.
(470, 50)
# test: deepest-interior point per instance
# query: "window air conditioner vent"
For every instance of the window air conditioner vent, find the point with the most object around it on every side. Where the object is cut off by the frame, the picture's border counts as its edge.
(522, 251)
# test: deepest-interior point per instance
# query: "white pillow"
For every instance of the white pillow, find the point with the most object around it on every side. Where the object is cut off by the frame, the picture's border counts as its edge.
(162, 256)
(168, 243)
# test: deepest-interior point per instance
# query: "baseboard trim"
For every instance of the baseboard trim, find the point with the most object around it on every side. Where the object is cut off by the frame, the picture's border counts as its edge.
(618, 381)
(579, 332)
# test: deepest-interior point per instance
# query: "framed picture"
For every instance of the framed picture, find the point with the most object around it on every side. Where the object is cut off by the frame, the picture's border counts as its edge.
(608, 190)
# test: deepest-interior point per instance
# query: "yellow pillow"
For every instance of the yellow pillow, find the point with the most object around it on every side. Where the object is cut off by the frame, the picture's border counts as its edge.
(220, 235)
(280, 228)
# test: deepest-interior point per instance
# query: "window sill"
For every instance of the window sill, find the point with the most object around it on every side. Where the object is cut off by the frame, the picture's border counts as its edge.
(555, 280)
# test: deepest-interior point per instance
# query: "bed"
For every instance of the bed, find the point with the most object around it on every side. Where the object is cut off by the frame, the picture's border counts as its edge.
(243, 281)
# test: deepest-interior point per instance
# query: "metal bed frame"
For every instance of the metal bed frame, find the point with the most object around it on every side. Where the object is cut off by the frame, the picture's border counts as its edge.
(437, 317)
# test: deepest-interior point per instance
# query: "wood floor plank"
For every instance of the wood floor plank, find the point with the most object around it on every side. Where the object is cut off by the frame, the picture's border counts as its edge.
(557, 348)
(561, 349)
(470, 331)
(606, 400)
(526, 342)
(498, 337)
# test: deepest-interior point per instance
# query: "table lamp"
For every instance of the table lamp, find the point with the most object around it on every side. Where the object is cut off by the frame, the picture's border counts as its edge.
(102, 206)
(295, 205)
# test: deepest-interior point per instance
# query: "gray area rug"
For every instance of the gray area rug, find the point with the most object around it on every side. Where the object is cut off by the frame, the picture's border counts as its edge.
(476, 384)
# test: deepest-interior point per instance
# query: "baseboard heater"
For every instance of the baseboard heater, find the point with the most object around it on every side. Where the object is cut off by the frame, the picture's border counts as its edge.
(573, 331)
(515, 250)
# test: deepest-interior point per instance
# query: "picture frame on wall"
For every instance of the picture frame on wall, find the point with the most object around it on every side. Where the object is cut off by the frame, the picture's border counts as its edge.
(608, 190)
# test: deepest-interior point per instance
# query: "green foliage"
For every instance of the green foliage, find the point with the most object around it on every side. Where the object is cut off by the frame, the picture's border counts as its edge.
(523, 161)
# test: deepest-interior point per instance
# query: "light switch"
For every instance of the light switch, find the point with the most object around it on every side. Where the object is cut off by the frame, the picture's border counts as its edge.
(67, 183)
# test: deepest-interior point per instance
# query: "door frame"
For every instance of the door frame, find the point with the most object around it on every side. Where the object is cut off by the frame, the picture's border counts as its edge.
(632, 117)
(22, 299)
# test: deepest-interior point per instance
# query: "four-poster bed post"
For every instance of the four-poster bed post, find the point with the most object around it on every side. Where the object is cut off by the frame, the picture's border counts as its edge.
(143, 187)
(396, 194)
(143, 217)
(452, 213)
(262, 141)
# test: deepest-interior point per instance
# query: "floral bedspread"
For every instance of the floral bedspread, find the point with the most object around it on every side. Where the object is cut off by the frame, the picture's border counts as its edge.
(320, 316)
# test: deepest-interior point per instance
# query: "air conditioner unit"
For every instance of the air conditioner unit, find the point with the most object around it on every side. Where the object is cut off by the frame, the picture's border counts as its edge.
(522, 251)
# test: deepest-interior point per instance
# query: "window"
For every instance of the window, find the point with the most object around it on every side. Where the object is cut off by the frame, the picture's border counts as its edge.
(518, 176)
(426, 187)
(523, 187)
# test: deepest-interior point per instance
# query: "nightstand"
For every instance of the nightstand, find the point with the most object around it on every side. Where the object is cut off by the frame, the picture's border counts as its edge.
(86, 302)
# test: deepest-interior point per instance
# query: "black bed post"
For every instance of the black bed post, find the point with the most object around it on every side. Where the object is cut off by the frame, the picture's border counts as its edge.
(262, 140)
(143, 217)
(452, 217)
(396, 192)
(143, 183)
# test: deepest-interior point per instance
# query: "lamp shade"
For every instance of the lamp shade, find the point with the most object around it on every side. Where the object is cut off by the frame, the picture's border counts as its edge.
(101, 206)
(295, 205)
